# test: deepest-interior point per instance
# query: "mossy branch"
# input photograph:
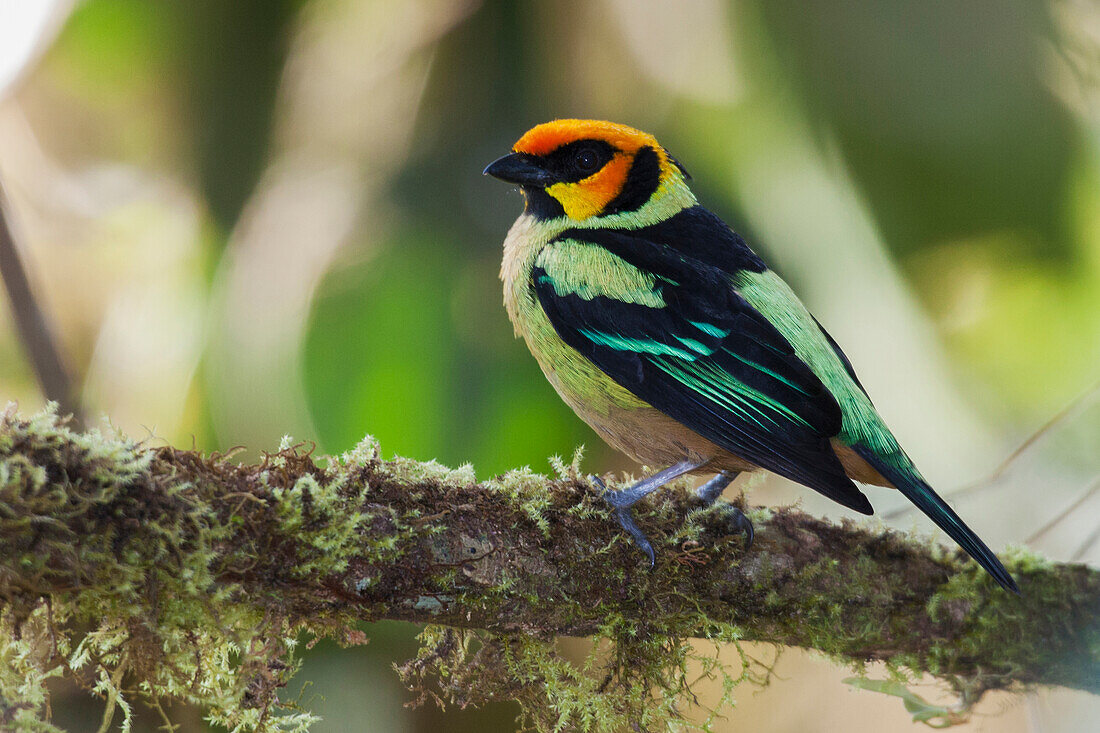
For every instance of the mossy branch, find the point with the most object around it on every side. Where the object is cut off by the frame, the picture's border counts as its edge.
(195, 575)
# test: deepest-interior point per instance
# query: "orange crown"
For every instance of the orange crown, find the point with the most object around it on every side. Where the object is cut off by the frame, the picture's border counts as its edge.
(549, 136)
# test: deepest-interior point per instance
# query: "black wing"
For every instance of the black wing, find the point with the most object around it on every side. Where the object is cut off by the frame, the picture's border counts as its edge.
(696, 350)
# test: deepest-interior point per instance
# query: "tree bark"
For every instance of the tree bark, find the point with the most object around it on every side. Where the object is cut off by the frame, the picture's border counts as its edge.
(139, 532)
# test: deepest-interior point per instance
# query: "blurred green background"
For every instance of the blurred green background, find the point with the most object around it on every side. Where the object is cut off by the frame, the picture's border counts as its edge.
(252, 218)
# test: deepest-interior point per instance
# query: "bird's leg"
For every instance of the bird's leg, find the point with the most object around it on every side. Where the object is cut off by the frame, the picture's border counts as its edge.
(709, 493)
(623, 499)
(711, 490)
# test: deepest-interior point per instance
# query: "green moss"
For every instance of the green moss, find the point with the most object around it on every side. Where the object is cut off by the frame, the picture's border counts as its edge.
(161, 574)
(637, 676)
(146, 552)
(631, 679)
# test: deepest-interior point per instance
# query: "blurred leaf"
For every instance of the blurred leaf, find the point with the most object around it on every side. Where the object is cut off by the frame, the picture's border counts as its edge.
(383, 356)
(940, 109)
(475, 108)
(517, 419)
(233, 54)
(934, 716)
(221, 63)
(113, 95)
(1028, 329)
(497, 408)
(377, 351)
(110, 45)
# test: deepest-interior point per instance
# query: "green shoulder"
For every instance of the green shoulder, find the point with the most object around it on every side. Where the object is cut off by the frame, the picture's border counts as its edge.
(587, 270)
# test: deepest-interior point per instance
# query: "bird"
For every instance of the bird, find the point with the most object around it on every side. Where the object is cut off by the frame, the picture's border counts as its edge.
(666, 333)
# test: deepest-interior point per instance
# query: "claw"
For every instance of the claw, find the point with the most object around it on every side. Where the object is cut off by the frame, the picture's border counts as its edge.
(621, 502)
(741, 524)
(627, 522)
(623, 499)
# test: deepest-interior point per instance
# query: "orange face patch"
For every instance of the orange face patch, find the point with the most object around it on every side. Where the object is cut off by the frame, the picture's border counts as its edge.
(589, 196)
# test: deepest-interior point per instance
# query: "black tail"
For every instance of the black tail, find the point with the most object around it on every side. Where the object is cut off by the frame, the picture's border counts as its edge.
(928, 501)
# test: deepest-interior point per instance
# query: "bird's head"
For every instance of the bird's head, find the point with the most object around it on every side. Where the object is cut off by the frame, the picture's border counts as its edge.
(588, 168)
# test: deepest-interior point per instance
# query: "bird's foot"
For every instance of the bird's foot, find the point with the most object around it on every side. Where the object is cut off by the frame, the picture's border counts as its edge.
(620, 502)
(734, 521)
(623, 499)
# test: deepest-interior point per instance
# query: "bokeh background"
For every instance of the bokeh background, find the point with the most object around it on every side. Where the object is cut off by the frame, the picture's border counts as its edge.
(264, 217)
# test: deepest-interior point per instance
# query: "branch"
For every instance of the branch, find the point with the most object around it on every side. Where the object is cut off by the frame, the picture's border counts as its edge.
(31, 324)
(173, 557)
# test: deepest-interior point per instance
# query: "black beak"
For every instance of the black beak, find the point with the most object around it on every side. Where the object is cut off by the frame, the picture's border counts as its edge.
(519, 168)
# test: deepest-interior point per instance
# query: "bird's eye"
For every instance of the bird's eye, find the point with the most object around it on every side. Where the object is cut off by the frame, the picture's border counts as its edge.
(586, 160)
